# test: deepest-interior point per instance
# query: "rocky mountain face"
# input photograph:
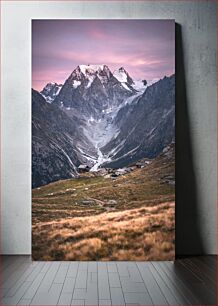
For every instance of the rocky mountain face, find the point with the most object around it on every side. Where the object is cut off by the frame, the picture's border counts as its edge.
(146, 126)
(50, 91)
(57, 143)
(99, 118)
(92, 90)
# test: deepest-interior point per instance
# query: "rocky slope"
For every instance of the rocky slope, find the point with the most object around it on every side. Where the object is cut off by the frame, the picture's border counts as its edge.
(146, 126)
(100, 118)
(57, 143)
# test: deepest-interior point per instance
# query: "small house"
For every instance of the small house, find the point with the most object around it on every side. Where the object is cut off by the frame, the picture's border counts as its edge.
(139, 165)
(83, 168)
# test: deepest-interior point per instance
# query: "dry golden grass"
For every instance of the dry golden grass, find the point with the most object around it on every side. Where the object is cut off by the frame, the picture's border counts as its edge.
(139, 227)
(136, 234)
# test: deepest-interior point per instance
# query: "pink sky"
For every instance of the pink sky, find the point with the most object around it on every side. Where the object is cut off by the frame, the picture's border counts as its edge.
(145, 48)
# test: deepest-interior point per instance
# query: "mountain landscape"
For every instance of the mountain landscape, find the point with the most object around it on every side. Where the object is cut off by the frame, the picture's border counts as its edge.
(101, 119)
(131, 217)
(103, 167)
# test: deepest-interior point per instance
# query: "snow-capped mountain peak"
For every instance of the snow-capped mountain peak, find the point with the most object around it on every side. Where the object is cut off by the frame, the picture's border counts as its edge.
(50, 86)
(93, 89)
(50, 91)
(90, 72)
(123, 77)
(91, 69)
(104, 123)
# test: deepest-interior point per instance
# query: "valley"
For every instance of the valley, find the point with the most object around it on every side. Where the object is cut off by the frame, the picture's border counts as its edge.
(102, 130)
(107, 119)
(95, 217)
(103, 167)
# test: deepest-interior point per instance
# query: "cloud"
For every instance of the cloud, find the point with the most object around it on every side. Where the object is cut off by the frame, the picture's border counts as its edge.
(143, 47)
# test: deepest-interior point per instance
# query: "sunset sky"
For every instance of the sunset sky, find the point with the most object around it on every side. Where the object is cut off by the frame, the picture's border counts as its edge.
(145, 48)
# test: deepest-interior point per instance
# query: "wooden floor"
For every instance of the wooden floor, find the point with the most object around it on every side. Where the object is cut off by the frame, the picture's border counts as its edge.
(188, 281)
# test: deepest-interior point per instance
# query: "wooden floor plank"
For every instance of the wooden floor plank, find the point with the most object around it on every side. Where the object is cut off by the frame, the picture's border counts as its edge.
(92, 266)
(209, 274)
(5, 262)
(65, 299)
(167, 267)
(24, 302)
(122, 268)
(69, 285)
(209, 262)
(78, 302)
(24, 277)
(134, 273)
(132, 287)
(191, 268)
(13, 263)
(197, 287)
(49, 277)
(103, 282)
(187, 281)
(154, 290)
(61, 273)
(170, 282)
(117, 297)
(48, 298)
(81, 279)
(91, 294)
(114, 280)
(168, 292)
(203, 274)
(12, 268)
(73, 268)
(104, 302)
(15, 275)
(139, 298)
(31, 291)
(17, 297)
(112, 267)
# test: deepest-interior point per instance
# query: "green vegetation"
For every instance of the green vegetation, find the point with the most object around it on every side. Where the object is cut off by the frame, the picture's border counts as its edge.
(97, 218)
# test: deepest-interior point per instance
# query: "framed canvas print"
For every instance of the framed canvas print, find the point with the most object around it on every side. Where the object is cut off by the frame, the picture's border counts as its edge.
(103, 139)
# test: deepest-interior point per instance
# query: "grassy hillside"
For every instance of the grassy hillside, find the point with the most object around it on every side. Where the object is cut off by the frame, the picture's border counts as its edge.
(98, 218)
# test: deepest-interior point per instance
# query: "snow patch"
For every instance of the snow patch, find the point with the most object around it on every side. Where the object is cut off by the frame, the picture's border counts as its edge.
(87, 156)
(115, 150)
(125, 86)
(58, 90)
(90, 69)
(139, 85)
(126, 154)
(90, 79)
(91, 72)
(120, 75)
(100, 131)
(76, 83)
(67, 156)
(101, 160)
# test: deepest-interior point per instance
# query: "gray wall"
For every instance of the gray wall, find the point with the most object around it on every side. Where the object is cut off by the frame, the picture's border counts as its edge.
(196, 112)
